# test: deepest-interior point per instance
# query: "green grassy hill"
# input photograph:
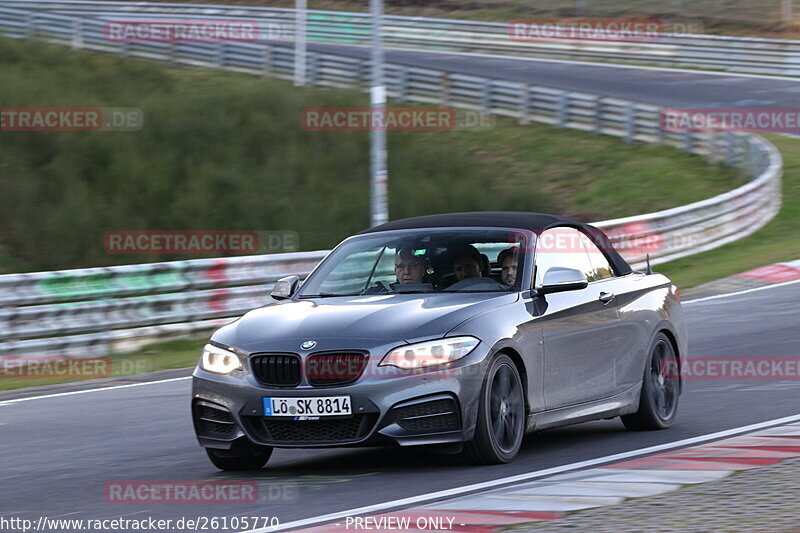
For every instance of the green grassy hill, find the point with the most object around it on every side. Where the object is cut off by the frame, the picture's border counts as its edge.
(222, 151)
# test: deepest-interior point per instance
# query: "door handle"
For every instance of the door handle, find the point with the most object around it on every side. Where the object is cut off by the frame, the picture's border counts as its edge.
(606, 297)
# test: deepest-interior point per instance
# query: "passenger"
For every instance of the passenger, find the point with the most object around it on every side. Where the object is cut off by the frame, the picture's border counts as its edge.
(409, 268)
(467, 263)
(508, 259)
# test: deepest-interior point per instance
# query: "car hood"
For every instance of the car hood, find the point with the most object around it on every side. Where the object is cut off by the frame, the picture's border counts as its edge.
(397, 317)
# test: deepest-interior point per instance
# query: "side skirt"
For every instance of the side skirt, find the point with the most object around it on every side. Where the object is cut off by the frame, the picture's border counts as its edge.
(622, 404)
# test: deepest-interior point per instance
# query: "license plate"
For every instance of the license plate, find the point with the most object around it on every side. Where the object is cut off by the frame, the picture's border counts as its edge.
(314, 406)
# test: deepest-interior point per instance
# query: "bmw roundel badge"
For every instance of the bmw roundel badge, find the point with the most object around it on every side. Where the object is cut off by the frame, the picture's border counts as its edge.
(308, 345)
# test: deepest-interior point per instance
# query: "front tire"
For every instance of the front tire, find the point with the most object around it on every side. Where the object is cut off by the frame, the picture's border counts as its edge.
(658, 404)
(238, 461)
(501, 415)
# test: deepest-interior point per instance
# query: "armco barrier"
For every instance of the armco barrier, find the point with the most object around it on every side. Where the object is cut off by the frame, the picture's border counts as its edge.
(152, 278)
(81, 312)
(734, 54)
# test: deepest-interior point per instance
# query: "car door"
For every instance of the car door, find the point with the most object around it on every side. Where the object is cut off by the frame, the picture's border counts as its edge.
(580, 328)
(632, 339)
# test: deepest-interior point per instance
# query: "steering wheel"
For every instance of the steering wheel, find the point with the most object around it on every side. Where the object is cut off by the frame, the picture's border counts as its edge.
(476, 284)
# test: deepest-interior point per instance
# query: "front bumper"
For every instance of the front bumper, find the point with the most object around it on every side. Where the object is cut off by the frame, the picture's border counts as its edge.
(389, 408)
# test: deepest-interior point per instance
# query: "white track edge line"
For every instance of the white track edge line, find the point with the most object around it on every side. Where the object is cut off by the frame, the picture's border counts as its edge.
(521, 477)
(746, 291)
(71, 393)
(687, 302)
(582, 63)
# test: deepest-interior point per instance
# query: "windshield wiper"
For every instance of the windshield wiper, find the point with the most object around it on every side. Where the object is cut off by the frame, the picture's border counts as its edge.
(498, 291)
(408, 292)
(326, 295)
(333, 295)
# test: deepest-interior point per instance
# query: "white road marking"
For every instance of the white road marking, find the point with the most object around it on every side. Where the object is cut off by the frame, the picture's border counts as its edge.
(740, 387)
(115, 387)
(592, 63)
(458, 491)
(687, 302)
(284, 43)
(746, 291)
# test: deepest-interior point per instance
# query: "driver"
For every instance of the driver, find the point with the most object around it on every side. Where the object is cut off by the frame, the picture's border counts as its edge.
(508, 262)
(408, 268)
(467, 263)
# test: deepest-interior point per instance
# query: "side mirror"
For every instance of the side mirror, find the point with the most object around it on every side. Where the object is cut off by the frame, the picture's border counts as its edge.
(285, 287)
(560, 279)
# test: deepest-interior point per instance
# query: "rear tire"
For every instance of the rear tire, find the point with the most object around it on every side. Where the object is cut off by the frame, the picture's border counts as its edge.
(501, 415)
(237, 461)
(658, 404)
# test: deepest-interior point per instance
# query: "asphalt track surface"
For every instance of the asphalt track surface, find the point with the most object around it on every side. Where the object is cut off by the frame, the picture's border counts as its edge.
(58, 453)
(686, 88)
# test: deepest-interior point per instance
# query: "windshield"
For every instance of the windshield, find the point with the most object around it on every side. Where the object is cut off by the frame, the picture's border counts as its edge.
(421, 261)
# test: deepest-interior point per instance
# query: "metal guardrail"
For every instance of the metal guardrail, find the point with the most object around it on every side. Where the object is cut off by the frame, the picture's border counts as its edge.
(83, 312)
(733, 54)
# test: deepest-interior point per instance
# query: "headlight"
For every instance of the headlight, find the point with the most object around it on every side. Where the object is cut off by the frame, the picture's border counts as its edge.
(219, 361)
(431, 353)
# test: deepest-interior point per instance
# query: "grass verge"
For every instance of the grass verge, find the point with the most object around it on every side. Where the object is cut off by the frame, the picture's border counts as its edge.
(777, 242)
(179, 353)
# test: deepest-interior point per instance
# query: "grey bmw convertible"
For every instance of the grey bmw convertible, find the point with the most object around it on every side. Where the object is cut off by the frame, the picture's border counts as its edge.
(461, 332)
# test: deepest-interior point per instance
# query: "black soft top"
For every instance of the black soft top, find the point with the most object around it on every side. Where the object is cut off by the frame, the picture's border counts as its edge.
(535, 222)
